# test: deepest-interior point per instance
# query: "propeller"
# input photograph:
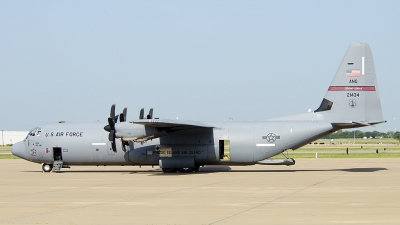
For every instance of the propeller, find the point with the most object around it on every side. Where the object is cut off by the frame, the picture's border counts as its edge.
(112, 120)
(122, 118)
(111, 127)
(111, 137)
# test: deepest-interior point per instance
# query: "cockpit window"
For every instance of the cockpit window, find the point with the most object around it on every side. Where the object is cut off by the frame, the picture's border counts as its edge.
(34, 132)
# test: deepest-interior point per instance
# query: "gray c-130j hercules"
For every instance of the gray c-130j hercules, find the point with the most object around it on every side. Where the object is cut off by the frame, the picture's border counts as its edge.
(352, 100)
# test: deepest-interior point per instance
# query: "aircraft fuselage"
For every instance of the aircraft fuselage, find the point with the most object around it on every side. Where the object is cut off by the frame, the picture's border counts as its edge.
(352, 100)
(228, 142)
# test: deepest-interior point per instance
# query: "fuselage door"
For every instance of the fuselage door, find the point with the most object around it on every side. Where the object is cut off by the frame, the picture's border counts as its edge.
(57, 154)
(58, 160)
(224, 150)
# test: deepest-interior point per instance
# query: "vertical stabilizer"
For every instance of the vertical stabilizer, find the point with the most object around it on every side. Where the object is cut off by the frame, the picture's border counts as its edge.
(353, 98)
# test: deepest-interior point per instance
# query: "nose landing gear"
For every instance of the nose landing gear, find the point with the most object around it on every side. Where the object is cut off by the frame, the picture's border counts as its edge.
(47, 167)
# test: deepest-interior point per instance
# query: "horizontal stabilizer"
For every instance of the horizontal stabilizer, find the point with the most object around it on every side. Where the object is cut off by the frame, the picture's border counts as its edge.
(356, 124)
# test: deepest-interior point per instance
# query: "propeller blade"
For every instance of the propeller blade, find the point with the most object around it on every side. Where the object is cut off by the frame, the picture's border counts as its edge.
(111, 123)
(113, 146)
(150, 115)
(125, 111)
(112, 111)
(122, 116)
(141, 114)
(116, 118)
(111, 136)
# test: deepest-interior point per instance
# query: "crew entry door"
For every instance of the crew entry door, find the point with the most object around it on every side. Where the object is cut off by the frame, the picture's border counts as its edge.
(58, 161)
(57, 154)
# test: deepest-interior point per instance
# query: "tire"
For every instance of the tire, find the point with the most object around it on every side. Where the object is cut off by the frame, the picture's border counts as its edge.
(47, 167)
(187, 170)
(169, 170)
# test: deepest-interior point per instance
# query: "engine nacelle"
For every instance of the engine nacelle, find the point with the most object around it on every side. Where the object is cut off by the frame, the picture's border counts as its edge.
(134, 132)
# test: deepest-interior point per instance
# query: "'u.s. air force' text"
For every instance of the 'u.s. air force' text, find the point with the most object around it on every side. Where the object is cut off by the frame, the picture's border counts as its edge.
(64, 134)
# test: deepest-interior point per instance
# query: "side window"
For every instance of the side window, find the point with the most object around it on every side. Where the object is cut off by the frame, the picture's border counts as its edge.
(34, 132)
(38, 130)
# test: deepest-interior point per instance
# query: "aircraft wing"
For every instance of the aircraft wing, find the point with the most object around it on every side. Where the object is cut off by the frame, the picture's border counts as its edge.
(155, 128)
(172, 125)
(145, 129)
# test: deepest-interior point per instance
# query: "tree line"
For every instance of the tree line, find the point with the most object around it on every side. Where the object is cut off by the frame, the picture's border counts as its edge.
(361, 134)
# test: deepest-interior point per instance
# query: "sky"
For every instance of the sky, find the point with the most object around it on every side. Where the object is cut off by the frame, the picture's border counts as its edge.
(193, 60)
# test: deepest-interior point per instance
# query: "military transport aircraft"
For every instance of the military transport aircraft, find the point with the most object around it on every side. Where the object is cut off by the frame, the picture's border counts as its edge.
(352, 100)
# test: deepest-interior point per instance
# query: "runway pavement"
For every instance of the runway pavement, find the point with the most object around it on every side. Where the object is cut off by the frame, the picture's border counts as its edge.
(314, 191)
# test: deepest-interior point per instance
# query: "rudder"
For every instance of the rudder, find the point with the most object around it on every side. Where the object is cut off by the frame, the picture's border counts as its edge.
(352, 98)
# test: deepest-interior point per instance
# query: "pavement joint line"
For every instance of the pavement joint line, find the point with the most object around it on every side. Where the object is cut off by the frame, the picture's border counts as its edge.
(56, 190)
(110, 202)
(367, 194)
(284, 196)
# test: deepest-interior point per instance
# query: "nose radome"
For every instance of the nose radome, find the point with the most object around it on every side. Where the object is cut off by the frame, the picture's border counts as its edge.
(18, 149)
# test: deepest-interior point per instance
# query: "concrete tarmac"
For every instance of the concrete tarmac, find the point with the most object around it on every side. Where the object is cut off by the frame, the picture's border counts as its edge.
(314, 191)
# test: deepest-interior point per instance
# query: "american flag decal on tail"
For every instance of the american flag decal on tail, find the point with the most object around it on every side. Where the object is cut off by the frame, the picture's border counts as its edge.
(353, 73)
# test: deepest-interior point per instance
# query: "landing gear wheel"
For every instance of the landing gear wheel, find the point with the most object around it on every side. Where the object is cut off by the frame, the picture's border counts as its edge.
(197, 168)
(47, 167)
(169, 170)
(186, 170)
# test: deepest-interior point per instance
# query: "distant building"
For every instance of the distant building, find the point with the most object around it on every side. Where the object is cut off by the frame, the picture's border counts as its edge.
(11, 137)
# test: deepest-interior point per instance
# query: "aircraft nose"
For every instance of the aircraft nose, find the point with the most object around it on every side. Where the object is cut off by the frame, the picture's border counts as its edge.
(18, 149)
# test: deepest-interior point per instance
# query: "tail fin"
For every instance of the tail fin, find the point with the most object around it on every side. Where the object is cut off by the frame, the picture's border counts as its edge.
(352, 99)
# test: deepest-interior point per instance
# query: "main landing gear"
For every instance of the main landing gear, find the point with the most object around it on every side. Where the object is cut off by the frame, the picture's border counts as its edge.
(181, 170)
